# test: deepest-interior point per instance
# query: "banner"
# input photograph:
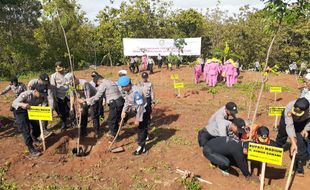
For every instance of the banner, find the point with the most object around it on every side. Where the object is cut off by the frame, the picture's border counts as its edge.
(275, 111)
(264, 153)
(164, 47)
(40, 113)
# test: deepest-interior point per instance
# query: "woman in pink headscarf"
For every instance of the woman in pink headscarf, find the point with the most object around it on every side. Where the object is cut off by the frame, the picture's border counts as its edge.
(206, 71)
(213, 72)
(230, 73)
(144, 62)
(197, 73)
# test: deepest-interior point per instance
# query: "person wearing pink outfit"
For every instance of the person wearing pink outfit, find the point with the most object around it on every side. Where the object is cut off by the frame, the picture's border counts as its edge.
(213, 72)
(197, 73)
(206, 71)
(230, 73)
(236, 65)
(144, 62)
(223, 73)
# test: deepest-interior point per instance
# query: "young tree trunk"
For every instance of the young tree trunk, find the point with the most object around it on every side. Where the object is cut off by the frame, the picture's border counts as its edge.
(264, 78)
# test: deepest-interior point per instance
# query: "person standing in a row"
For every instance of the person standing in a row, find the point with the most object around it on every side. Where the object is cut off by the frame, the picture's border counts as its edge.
(136, 102)
(59, 82)
(113, 97)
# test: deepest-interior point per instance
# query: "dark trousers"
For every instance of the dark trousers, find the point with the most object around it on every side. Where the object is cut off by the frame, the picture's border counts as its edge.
(160, 63)
(301, 142)
(29, 128)
(115, 112)
(150, 68)
(63, 109)
(101, 109)
(216, 159)
(137, 68)
(178, 63)
(132, 67)
(203, 137)
(142, 129)
(94, 115)
(149, 108)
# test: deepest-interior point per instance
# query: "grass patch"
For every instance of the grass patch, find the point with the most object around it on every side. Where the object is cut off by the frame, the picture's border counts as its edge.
(191, 184)
(5, 185)
(57, 187)
(180, 141)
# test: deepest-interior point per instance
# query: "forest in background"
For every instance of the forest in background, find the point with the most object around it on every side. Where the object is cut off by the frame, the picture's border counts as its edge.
(31, 37)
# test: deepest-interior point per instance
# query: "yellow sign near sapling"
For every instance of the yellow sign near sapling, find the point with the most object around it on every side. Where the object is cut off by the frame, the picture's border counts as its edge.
(178, 85)
(174, 77)
(40, 113)
(275, 89)
(275, 111)
(265, 153)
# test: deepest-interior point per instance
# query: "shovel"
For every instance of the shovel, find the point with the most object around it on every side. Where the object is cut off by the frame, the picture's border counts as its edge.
(78, 151)
(117, 149)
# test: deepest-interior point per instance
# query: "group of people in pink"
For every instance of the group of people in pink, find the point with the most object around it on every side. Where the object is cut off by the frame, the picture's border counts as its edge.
(213, 71)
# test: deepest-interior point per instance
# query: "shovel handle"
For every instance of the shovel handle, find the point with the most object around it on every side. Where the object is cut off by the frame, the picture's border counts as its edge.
(119, 129)
(288, 182)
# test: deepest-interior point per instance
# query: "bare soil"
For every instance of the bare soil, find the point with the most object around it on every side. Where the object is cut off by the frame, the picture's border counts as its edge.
(176, 122)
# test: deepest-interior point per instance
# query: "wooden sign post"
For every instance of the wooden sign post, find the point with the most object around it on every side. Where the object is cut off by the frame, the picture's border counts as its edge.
(40, 113)
(265, 154)
(275, 90)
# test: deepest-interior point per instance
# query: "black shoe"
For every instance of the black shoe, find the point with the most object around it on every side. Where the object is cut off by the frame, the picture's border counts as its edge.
(139, 151)
(299, 168)
(33, 152)
(36, 142)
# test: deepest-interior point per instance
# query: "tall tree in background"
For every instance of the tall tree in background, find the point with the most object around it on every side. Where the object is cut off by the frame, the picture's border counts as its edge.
(18, 48)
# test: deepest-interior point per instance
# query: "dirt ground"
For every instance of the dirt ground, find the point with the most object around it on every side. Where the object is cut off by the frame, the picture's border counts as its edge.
(175, 124)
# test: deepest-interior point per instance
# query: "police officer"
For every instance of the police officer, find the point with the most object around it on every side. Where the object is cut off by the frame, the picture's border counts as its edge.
(136, 102)
(109, 90)
(23, 102)
(94, 74)
(226, 151)
(60, 84)
(85, 90)
(15, 86)
(218, 121)
(44, 80)
(295, 124)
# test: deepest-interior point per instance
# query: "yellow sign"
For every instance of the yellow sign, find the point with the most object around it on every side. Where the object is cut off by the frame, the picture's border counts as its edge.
(178, 85)
(175, 77)
(275, 89)
(264, 153)
(40, 113)
(275, 111)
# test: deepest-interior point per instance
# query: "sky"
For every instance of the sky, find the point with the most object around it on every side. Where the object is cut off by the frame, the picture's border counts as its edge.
(92, 7)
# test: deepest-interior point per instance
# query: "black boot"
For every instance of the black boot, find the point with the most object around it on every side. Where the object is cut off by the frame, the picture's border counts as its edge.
(139, 151)
(299, 167)
(33, 152)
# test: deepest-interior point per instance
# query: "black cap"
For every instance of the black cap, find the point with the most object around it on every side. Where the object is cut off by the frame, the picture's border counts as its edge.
(59, 64)
(45, 78)
(96, 78)
(145, 75)
(302, 104)
(240, 123)
(41, 89)
(263, 132)
(14, 79)
(232, 108)
(94, 73)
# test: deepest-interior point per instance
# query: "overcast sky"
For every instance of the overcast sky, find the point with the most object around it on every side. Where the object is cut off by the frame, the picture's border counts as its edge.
(92, 7)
